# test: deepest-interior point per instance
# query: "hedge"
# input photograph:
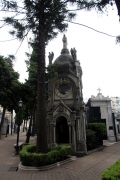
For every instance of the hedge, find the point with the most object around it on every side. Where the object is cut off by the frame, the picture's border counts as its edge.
(113, 172)
(28, 156)
(90, 137)
(99, 128)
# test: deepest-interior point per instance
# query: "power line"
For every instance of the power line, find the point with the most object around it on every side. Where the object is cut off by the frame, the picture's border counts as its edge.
(91, 28)
(9, 40)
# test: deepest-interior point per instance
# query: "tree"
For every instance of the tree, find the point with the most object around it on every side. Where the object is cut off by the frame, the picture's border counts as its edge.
(31, 83)
(45, 19)
(118, 6)
(29, 98)
(9, 87)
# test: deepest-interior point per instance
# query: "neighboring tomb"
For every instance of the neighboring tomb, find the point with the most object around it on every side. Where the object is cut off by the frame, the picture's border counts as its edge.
(100, 110)
(66, 118)
(115, 101)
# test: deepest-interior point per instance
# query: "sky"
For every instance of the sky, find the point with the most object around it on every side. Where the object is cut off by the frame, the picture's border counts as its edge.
(99, 55)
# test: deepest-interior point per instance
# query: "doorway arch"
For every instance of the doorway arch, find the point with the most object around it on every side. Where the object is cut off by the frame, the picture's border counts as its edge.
(62, 130)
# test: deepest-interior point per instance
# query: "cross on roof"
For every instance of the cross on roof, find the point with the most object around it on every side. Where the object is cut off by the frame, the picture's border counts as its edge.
(99, 90)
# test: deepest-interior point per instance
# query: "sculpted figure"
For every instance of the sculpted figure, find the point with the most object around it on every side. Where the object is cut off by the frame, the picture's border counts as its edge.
(50, 57)
(74, 53)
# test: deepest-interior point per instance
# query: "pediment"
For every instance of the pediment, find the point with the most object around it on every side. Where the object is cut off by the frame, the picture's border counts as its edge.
(60, 108)
(100, 97)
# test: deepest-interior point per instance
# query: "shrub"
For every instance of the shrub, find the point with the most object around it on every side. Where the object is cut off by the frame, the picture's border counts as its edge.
(28, 156)
(90, 136)
(95, 133)
(113, 172)
(99, 128)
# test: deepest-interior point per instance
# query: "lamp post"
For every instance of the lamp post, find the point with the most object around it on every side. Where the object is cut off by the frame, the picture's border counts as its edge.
(20, 103)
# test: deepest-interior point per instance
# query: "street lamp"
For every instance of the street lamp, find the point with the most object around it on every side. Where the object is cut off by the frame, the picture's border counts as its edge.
(20, 103)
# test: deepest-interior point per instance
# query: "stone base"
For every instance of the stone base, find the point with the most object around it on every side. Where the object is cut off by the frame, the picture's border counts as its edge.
(45, 168)
(81, 146)
(111, 139)
(79, 153)
(54, 145)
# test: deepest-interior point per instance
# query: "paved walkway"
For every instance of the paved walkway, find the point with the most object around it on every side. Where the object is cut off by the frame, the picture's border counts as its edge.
(89, 167)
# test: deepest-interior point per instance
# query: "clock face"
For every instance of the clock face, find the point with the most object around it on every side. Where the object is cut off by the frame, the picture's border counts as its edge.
(63, 87)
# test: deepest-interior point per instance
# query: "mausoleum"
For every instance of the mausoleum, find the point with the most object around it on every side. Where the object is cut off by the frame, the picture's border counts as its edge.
(100, 110)
(66, 115)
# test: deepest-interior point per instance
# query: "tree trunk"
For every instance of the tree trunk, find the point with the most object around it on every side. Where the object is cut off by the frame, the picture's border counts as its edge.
(42, 145)
(118, 6)
(33, 129)
(26, 124)
(2, 120)
(11, 121)
(23, 125)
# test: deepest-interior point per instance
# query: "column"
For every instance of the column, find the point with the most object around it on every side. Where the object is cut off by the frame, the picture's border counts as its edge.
(69, 133)
(54, 134)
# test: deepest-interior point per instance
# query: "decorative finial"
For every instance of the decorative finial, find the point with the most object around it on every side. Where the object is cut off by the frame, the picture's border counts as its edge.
(64, 42)
(99, 90)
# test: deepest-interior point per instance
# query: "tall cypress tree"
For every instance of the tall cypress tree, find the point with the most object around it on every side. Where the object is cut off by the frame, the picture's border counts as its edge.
(45, 18)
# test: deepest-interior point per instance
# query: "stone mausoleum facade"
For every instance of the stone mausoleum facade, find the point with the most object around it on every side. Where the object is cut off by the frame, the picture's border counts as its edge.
(100, 110)
(66, 118)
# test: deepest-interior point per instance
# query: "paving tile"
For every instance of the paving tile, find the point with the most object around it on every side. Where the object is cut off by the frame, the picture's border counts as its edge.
(89, 167)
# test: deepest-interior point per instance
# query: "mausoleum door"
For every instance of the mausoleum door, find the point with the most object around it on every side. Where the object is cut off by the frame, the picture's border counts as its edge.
(62, 130)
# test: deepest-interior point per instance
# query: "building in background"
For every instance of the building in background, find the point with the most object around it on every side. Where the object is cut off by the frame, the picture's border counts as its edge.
(99, 109)
(115, 102)
(9, 126)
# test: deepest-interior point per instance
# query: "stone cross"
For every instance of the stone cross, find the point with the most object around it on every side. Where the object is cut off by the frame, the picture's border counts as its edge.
(64, 42)
(99, 90)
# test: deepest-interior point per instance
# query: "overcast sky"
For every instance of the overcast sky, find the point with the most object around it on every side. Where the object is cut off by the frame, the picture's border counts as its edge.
(98, 53)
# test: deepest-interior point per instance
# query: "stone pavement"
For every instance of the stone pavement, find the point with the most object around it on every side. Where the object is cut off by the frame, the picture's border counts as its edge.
(89, 167)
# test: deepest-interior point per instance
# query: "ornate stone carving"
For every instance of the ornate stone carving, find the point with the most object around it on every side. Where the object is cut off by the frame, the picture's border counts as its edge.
(68, 88)
(63, 87)
(50, 57)
(74, 53)
(62, 114)
(61, 108)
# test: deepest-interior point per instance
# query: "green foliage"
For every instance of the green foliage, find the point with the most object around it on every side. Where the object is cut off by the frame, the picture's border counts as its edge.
(99, 128)
(10, 87)
(94, 134)
(90, 136)
(18, 118)
(30, 158)
(113, 172)
(29, 88)
(51, 13)
(55, 15)
(52, 71)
